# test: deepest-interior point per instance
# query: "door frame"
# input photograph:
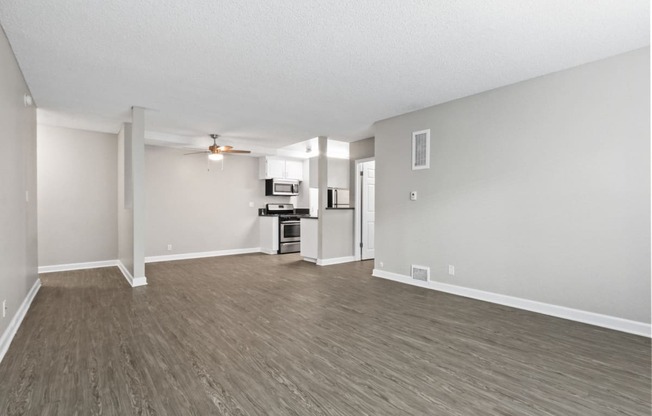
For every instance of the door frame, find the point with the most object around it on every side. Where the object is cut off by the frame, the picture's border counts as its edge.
(357, 213)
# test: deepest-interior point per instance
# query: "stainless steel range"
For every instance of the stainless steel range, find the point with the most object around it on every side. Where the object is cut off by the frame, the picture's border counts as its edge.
(289, 227)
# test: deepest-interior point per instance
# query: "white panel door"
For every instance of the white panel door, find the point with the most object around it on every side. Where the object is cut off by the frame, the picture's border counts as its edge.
(368, 209)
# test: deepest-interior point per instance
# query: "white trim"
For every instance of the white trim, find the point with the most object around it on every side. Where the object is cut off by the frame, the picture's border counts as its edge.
(125, 272)
(133, 281)
(357, 253)
(77, 266)
(10, 332)
(335, 260)
(310, 260)
(185, 256)
(268, 251)
(591, 318)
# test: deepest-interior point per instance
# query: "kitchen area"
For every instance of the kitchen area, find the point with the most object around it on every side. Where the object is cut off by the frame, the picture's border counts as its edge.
(318, 220)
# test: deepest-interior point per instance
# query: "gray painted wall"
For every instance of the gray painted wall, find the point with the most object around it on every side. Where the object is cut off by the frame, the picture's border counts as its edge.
(77, 196)
(337, 233)
(186, 206)
(197, 210)
(539, 190)
(361, 149)
(18, 230)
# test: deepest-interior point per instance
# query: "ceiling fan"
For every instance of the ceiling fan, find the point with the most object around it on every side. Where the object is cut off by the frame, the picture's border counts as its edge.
(216, 152)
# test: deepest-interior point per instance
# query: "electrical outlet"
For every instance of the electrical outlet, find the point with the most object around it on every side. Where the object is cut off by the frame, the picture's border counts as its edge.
(4, 308)
(413, 196)
(451, 270)
(251, 205)
(169, 247)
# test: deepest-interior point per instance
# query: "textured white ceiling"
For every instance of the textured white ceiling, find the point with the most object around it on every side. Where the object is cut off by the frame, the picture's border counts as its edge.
(273, 73)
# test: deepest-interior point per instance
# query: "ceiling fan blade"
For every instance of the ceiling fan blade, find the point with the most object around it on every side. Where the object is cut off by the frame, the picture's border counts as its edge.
(225, 148)
(235, 151)
(196, 153)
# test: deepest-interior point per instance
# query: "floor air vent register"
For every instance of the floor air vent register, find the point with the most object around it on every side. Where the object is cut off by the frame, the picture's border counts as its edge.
(420, 273)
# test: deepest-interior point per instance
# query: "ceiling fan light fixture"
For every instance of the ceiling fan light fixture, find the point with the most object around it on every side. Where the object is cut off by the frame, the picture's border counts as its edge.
(216, 152)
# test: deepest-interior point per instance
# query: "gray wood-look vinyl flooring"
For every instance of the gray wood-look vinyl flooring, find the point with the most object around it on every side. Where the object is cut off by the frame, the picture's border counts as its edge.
(273, 335)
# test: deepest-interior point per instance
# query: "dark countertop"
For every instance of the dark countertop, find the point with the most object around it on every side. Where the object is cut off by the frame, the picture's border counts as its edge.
(297, 211)
(342, 208)
(310, 218)
(278, 215)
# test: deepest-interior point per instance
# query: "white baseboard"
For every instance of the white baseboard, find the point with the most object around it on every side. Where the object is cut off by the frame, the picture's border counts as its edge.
(139, 281)
(133, 281)
(310, 260)
(185, 256)
(125, 272)
(335, 260)
(77, 266)
(10, 332)
(268, 251)
(591, 318)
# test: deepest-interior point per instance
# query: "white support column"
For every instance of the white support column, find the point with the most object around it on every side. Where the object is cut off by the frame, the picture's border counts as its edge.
(131, 199)
(322, 199)
(138, 189)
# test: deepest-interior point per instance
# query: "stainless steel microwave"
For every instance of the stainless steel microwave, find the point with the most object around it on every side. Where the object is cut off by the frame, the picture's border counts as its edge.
(282, 187)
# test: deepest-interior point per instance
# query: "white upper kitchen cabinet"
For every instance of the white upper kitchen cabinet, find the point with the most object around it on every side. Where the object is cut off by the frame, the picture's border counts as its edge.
(294, 170)
(275, 168)
(279, 168)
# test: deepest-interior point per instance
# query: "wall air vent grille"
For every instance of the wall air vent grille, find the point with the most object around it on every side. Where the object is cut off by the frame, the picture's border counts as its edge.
(421, 149)
(420, 273)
